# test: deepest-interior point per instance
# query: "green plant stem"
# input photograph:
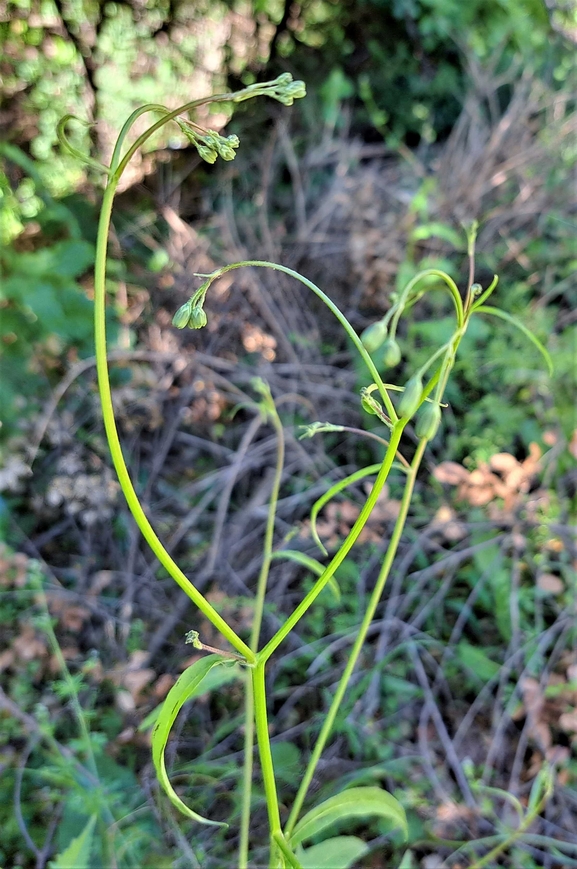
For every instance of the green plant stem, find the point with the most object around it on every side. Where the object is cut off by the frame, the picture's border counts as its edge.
(255, 636)
(114, 442)
(246, 771)
(344, 550)
(265, 754)
(360, 640)
(451, 285)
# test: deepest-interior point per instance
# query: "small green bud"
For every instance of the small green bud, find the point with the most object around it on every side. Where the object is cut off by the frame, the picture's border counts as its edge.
(182, 316)
(225, 151)
(207, 154)
(374, 336)
(391, 353)
(428, 421)
(198, 318)
(476, 289)
(411, 397)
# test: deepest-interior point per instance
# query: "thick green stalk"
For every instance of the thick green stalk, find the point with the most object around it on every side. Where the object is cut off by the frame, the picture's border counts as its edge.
(347, 545)
(359, 642)
(254, 639)
(265, 754)
(114, 441)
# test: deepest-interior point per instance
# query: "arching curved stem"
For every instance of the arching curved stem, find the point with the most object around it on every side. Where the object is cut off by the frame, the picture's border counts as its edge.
(332, 307)
(114, 442)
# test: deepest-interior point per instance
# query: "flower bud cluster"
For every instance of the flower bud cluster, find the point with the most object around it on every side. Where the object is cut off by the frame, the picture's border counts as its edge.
(209, 143)
(283, 89)
(191, 315)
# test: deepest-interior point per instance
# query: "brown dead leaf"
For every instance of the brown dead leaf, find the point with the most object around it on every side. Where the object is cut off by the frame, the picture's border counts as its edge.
(503, 463)
(445, 520)
(550, 583)
(451, 473)
(28, 646)
(534, 702)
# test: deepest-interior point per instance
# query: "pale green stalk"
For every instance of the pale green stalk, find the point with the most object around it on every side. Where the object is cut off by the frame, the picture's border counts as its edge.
(360, 640)
(255, 635)
(344, 550)
(114, 442)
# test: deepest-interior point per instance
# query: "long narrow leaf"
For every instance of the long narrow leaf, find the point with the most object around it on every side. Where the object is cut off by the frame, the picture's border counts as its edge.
(497, 312)
(352, 803)
(188, 685)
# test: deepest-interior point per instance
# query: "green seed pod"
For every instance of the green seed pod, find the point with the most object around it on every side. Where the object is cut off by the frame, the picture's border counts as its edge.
(182, 316)
(411, 397)
(428, 421)
(198, 318)
(391, 353)
(374, 336)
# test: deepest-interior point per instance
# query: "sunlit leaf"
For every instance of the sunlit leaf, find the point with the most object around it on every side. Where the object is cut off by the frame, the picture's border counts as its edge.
(338, 853)
(190, 684)
(352, 803)
(77, 854)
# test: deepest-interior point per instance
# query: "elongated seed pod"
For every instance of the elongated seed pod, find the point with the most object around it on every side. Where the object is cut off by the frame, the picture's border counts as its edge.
(428, 422)
(374, 336)
(391, 353)
(411, 397)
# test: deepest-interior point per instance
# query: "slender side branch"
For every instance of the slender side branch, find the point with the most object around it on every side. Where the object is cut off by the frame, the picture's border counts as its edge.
(359, 642)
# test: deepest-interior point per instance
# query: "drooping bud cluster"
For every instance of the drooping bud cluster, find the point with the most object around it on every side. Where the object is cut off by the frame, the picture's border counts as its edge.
(283, 89)
(191, 315)
(209, 143)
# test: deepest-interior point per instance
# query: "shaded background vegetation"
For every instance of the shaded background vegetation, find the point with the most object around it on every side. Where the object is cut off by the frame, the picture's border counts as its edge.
(420, 115)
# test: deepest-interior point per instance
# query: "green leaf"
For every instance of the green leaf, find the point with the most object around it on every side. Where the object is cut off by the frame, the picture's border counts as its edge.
(338, 853)
(477, 661)
(352, 803)
(77, 854)
(497, 312)
(438, 230)
(190, 684)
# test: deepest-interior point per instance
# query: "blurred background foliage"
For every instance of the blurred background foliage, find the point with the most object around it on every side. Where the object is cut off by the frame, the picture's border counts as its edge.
(420, 115)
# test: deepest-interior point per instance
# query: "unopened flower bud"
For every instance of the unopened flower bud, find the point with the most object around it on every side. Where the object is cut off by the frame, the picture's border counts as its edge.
(391, 353)
(428, 421)
(209, 155)
(198, 318)
(411, 397)
(182, 316)
(374, 336)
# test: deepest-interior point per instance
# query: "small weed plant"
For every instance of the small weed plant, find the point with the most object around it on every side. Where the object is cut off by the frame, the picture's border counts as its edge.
(303, 839)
